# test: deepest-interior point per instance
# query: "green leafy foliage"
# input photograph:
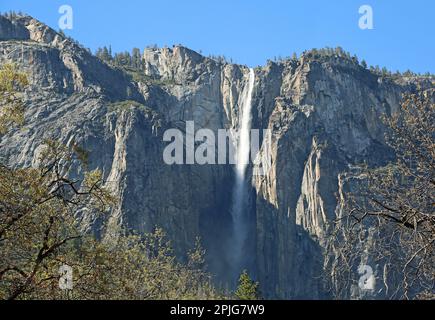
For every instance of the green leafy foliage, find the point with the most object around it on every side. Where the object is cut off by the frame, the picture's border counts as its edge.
(247, 288)
(11, 106)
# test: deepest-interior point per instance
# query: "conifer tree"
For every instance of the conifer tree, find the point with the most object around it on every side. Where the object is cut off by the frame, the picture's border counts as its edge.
(247, 288)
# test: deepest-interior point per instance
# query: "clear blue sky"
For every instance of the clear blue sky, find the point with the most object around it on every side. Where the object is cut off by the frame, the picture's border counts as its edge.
(252, 31)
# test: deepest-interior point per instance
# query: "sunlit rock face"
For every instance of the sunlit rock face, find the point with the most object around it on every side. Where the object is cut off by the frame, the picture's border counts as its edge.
(324, 113)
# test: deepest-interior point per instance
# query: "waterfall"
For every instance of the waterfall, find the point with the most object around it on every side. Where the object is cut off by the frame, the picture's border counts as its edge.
(243, 145)
(240, 193)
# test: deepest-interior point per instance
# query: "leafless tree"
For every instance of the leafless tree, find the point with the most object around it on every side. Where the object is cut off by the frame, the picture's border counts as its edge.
(387, 218)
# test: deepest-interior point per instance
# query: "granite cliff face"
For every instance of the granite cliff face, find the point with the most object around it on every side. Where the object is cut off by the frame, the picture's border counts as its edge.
(324, 113)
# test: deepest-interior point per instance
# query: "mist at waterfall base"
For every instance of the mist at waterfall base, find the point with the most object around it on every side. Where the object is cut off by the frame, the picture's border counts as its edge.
(240, 200)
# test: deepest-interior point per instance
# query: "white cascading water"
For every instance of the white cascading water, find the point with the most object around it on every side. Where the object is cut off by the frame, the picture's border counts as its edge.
(240, 194)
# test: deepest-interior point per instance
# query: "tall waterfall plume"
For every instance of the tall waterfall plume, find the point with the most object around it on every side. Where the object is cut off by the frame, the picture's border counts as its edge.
(240, 193)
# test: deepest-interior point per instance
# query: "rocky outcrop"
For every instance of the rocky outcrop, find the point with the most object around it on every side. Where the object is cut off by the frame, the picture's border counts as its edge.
(324, 113)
